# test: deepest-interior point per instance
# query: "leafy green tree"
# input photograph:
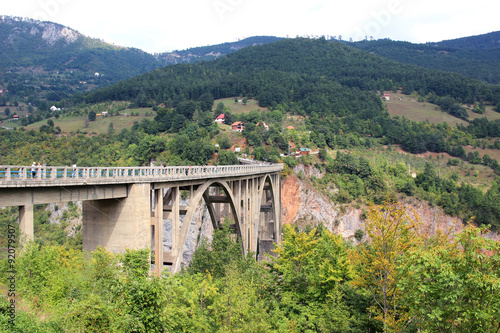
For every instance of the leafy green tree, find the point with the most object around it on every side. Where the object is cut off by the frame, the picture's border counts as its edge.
(215, 257)
(187, 108)
(310, 268)
(92, 115)
(206, 102)
(224, 142)
(453, 283)
(111, 129)
(219, 109)
(227, 157)
(392, 235)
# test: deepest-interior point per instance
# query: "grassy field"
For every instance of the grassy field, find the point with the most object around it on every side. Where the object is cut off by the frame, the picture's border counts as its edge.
(101, 124)
(477, 175)
(237, 108)
(408, 107)
(490, 114)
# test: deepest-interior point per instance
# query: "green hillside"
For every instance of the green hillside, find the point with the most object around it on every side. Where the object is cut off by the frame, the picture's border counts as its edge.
(45, 61)
(477, 56)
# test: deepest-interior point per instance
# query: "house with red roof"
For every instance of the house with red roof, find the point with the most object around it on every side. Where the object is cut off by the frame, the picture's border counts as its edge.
(221, 119)
(238, 126)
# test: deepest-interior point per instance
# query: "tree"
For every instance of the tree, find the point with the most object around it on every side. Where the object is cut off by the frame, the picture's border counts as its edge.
(111, 129)
(224, 142)
(392, 234)
(310, 269)
(452, 284)
(206, 102)
(219, 109)
(187, 108)
(323, 154)
(7, 111)
(215, 257)
(92, 115)
(227, 157)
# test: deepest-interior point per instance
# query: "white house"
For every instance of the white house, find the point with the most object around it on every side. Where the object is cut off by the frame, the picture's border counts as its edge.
(220, 119)
(54, 108)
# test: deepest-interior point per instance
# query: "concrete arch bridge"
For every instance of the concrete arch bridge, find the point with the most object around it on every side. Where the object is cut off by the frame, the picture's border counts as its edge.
(126, 207)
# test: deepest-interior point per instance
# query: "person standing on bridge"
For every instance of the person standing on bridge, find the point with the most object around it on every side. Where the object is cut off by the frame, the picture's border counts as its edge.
(33, 170)
(74, 171)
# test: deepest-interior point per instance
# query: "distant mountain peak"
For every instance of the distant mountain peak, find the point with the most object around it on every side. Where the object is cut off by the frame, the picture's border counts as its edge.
(211, 52)
(49, 32)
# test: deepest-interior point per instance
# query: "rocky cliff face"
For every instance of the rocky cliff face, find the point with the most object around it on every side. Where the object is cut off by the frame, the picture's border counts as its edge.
(301, 203)
(49, 32)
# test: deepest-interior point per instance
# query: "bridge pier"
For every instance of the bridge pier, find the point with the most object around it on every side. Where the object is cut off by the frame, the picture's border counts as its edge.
(118, 224)
(26, 226)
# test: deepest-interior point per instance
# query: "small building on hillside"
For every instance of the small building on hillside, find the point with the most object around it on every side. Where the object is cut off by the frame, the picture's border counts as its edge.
(238, 126)
(263, 124)
(387, 97)
(54, 108)
(290, 127)
(15, 117)
(304, 151)
(221, 119)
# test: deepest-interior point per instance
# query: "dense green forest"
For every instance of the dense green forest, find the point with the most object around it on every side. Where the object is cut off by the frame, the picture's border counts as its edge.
(315, 282)
(471, 57)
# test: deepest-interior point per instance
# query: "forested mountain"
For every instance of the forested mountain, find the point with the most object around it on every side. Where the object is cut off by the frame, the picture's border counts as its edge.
(480, 42)
(211, 52)
(315, 76)
(45, 60)
(476, 56)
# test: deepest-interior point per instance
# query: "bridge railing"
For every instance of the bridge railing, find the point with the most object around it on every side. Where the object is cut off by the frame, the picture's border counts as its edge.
(50, 173)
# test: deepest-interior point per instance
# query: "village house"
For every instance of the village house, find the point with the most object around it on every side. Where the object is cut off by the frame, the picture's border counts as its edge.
(304, 151)
(238, 126)
(220, 119)
(387, 97)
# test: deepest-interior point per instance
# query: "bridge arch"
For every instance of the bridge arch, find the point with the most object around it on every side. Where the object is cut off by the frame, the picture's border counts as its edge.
(203, 193)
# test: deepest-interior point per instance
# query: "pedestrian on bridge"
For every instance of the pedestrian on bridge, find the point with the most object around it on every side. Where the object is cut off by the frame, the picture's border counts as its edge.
(33, 170)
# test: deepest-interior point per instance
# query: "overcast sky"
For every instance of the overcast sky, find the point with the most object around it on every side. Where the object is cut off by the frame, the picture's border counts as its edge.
(167, 25)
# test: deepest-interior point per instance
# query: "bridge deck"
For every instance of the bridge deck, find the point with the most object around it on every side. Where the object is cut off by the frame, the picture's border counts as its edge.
(46, 176)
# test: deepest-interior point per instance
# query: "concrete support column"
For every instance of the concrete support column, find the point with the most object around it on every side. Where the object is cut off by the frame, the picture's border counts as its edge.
(157, 222)
(118, 224)
(277, 207)
(236, 188)
(176, 223)
(26, 226)
(244, 218)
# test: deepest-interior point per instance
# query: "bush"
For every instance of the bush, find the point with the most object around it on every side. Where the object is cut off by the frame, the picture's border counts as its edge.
(359, 234)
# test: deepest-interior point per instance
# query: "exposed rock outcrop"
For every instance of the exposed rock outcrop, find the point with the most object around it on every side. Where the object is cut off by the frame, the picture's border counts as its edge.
(302, 204)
